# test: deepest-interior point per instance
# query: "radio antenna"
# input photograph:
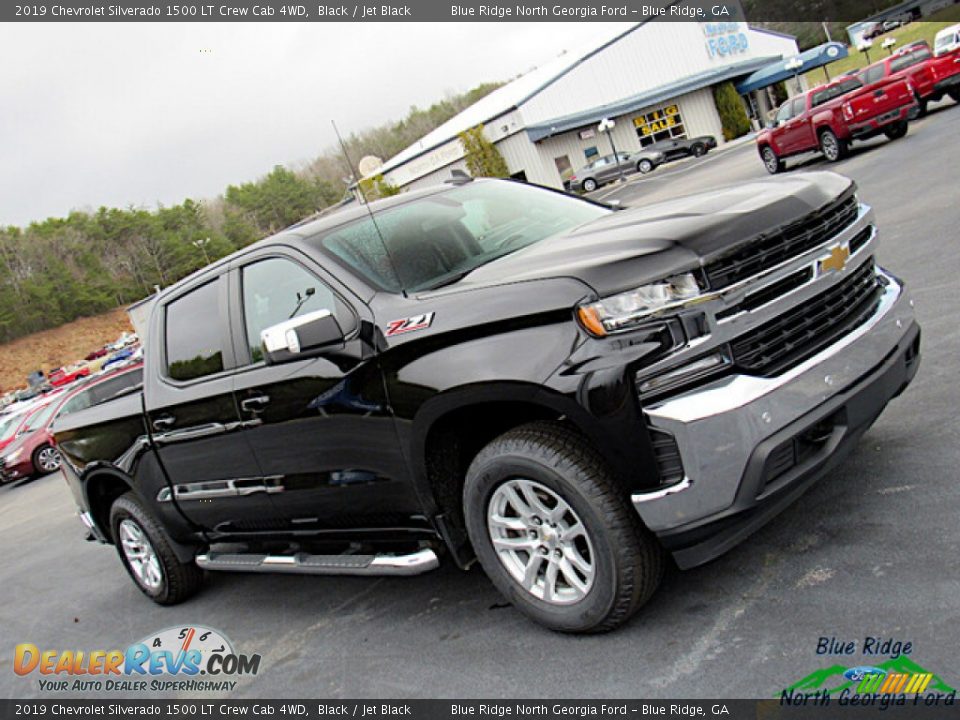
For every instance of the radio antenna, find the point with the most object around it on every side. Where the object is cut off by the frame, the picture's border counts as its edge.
(366, 204)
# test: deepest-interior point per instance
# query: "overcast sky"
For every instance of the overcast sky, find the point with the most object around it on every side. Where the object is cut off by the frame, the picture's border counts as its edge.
(122, 113)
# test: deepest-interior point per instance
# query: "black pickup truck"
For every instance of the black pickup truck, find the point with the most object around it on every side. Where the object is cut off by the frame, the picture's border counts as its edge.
(567, 392)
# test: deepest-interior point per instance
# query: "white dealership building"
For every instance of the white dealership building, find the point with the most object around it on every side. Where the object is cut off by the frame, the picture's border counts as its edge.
(654, 79)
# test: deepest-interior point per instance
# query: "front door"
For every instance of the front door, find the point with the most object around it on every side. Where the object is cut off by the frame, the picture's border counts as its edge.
(194, 422)
(320, 427)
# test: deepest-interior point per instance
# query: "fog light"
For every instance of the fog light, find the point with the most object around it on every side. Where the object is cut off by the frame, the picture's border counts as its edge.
(701, 367)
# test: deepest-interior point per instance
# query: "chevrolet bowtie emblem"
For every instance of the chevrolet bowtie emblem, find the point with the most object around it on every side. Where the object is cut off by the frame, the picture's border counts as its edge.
(836, 260)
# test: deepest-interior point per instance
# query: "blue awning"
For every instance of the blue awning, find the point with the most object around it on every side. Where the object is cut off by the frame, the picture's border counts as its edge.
(776, 72)
(555, 126)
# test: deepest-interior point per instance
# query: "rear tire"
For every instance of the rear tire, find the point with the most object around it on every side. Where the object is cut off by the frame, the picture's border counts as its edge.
(147, 555)
(832, 147)
(771, 162)
(589, 185)
(698, 150)
(921, 107)
(955, 94)
(897, 130)
(571, 553)
(46, 459)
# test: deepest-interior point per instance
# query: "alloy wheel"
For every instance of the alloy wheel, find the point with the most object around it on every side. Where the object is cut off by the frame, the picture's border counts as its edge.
(828, 143)
(140, 555)
(49, 459)
(541, 541)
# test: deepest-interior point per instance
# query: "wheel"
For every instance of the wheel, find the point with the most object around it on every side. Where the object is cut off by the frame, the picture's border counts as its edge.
(645, 166)
(554, 533)
(147, 555)
(955, 94)
(832, 147)
(897, 130)
(771, 162)
(698, 150)
(589, 185)
(46, 459)
(921, 107)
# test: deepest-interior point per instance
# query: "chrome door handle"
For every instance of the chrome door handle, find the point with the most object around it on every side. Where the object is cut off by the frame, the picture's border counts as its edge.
(254, 404)
(163, 422)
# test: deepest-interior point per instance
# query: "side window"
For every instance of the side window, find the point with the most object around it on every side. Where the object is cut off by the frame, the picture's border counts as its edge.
(193, 334)
(799, 106)
(783, 114)
(277, 289)
(80, 401)
(873, 74)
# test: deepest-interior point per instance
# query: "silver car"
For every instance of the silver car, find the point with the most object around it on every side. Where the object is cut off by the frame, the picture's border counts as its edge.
(606, 169)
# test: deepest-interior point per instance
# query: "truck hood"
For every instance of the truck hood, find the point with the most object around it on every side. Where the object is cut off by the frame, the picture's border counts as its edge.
(629, 248)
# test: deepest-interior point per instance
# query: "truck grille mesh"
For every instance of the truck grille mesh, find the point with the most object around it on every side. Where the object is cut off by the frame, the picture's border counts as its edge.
(780, 245)
(806, 329)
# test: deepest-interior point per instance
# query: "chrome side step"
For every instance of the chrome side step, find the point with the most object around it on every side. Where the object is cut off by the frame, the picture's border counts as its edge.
(304, 564)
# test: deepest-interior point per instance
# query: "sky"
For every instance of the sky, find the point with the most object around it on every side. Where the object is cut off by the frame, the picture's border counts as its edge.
(122, 114)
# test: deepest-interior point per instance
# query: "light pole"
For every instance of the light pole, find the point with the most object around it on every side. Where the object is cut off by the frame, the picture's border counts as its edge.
(606, 126)
(793, 65)
(201, 245)
(864, 47)
(888, 44)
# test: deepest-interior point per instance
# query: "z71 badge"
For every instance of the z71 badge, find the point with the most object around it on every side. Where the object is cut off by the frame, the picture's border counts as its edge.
(417, 322)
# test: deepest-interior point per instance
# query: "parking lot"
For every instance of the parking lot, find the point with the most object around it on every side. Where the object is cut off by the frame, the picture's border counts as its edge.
(870, 551)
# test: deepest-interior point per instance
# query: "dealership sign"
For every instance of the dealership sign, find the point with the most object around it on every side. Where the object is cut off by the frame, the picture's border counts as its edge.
(724, 39)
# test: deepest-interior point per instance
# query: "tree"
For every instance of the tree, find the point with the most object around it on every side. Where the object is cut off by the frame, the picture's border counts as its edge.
(376, 187)
(733, 115)
(482, 156)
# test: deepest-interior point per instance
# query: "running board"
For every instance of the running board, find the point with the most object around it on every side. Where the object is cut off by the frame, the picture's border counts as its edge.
(304, 564)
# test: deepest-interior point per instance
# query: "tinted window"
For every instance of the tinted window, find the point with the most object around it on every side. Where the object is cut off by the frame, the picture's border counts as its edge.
(439, 238)
(193, 334)
(835, 91)
(278, 289)
(908, 59)
(874, 74)
(102, 391)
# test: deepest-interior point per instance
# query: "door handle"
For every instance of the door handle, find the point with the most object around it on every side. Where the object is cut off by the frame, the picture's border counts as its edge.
(163, 422)
(254, 404)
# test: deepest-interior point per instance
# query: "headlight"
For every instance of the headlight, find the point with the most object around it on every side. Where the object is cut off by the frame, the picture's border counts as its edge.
(12, 457)
(619, 312)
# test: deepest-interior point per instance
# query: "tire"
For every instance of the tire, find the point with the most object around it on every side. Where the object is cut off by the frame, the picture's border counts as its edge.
(645, 166)
(46, 459)
(168, 581)
(771, 162)
(955, 94)
(897, 130)
(832, 147)
(921, 107)
(615, 563)
(698, 150)
(589, 185)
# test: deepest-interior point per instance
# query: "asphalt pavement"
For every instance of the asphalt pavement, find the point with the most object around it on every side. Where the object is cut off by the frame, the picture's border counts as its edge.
(870, 551)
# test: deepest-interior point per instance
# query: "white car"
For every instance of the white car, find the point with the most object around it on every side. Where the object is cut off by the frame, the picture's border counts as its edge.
(947, 40)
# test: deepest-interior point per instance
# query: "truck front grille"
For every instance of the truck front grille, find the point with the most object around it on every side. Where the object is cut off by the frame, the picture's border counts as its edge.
(806, 329)
(782, 244)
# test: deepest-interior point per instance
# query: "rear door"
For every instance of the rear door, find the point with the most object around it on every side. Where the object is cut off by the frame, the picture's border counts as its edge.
(194, 422)
(320, 428)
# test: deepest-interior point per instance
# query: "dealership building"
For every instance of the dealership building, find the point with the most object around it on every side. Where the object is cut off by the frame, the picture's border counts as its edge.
(655, 80)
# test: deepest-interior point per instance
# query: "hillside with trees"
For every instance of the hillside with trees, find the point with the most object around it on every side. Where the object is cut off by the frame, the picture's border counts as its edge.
(87, 263)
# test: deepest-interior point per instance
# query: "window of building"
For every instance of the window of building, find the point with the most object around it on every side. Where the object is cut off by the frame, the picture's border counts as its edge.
(276, 290)
(193, 334)
(664, 123)
(591, 152)
(564, 168)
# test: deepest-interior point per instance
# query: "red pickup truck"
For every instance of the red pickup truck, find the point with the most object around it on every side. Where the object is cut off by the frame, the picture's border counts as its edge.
(829, 117)
(931, 77)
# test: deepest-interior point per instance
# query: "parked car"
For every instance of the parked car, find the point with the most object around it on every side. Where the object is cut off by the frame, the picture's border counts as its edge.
(34, 448)
(495, 370)
(678, 148)
(605, 169)
(64, 376)
(830, 117)
(96, 354)
(11, 423)
(947, 41)
(118, 358)
(930, 77)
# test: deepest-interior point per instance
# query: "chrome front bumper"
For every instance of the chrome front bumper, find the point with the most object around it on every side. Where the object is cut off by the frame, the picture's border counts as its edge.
(719, 427)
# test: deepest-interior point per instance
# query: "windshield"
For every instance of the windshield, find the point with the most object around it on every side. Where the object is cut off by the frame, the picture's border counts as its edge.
(9, 425)
(944, 40)
(440, 238)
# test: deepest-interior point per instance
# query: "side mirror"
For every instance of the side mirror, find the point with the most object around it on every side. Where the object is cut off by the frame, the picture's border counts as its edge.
(300, 337)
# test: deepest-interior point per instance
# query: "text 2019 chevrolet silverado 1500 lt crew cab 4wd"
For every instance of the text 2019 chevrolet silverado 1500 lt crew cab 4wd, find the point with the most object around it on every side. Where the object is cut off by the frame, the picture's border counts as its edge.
(830, 117)
(494, 370)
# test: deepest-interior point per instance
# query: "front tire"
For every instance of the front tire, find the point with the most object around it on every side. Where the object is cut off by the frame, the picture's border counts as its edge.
(698, 150)
(589, 185)
(897, 130)
(46, 459)
(555, 534)
(832, 147)
(147, 555)
(645, 166)
(771, 162)
(955, 94)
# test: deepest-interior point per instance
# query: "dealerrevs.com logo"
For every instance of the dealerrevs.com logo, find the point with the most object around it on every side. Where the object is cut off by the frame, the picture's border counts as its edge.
(193, 658)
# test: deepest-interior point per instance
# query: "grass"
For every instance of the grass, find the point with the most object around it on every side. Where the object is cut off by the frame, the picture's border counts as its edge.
(920, 30)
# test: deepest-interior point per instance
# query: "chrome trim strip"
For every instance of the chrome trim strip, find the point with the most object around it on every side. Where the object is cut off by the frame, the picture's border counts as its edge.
(233, 487)
(659, 494)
